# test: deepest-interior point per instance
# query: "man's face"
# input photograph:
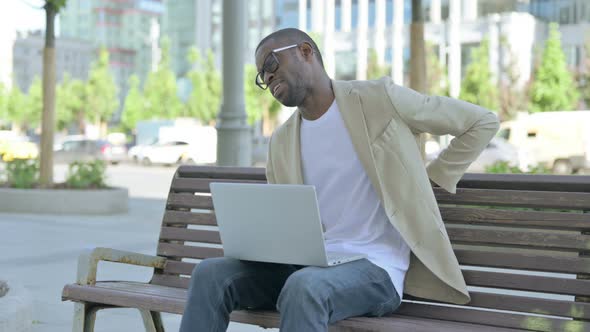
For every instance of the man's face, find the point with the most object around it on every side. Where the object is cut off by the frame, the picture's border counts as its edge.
(287, 82)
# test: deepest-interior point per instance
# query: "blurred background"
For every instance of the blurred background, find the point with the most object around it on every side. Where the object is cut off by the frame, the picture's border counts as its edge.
(117, 93)
(140, 81)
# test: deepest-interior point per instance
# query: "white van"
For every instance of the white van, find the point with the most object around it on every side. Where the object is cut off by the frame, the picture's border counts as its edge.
(558, 140)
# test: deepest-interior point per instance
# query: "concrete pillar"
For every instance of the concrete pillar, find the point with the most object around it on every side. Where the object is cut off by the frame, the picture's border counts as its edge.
(434, 13)
(234, 142)
(317, 16)
(328, 55)
(361, 39)
(345, 17)
(455, 48)
(303, 15)
(494, 45)
(380, 30)
(469, 10)
(397, 43)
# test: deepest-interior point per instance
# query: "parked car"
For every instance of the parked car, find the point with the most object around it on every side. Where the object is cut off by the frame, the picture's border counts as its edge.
(17, 147)
(497, 150)
(84, 149)
(135, 153)
(167, 153)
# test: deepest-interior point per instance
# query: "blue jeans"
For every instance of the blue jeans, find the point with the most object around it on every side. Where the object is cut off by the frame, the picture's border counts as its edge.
(307, 298)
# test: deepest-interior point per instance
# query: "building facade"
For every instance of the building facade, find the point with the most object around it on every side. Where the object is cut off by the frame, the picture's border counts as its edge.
(128, 29)
(347, 29)
(72, 57)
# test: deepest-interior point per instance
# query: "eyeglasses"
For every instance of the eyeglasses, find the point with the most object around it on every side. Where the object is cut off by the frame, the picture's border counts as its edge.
(270, 65)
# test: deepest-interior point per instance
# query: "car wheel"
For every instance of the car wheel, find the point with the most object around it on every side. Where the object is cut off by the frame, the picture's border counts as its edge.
(563, 167)
(146, 161)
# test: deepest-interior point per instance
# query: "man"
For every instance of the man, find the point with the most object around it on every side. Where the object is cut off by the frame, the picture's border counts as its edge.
(357, 142)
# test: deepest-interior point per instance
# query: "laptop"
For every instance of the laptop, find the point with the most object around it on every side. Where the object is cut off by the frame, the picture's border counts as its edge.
(276, 223)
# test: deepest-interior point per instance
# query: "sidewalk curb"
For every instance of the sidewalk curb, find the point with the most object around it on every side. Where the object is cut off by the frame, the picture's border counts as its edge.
(16, 309)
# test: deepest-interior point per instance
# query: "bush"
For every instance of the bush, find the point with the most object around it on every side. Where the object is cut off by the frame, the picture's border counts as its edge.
(22, 173)
(83, 175)
(503, 167)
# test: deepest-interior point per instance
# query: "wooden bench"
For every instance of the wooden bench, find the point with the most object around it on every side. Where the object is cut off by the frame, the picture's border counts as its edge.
(523, 242)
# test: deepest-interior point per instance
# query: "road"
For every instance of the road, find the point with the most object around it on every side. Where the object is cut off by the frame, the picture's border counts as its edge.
(40, 251)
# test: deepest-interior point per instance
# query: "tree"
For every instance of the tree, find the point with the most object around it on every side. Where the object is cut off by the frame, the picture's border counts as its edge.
(512, 98)
(101, 91)
(31, 115)
(160, 91)
(52, 7)
(71, 104)
(553, 87)
(260, 104)
(437, 80)
(24, 111)
(133, 109)
(374, 69)
(583, 77)
(205, 97)
(3, 104)
(477, 86)
(16, 103)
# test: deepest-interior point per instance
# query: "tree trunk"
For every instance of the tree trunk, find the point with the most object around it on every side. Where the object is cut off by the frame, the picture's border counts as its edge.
(418, 58)
(48, 118)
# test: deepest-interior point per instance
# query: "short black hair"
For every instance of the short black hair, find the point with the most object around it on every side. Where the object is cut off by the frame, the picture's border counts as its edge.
(295, 36)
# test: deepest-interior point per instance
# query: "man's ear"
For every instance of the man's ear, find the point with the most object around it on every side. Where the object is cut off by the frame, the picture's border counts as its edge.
(306, 50)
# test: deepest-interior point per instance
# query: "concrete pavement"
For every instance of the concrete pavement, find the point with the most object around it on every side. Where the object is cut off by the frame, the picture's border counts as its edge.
(40, 252)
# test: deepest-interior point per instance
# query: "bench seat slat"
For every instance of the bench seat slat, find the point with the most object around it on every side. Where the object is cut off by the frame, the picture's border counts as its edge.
(172, 300)
(500, 319)
(189, 218)
(524, 261)
(519, 238)
(193, 235)
(532, 219)
(517, 198)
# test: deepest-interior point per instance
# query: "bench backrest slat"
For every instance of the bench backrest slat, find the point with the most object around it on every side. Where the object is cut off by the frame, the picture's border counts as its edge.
(501, 226)
(515, 198)
(515, 218)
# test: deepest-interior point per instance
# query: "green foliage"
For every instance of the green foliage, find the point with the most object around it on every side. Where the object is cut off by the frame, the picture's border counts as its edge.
(477, 86)
(22, 173)
(512, 98)
(17, 106)
(504, 167)
(374, 69)
(583, 78)
(133, 109)
(101, 91)
(160, 91)
(258, 101)
(553, 88)
(437, 80)
(70, 102)
(205, 98)
(57, 4)
(4, 93)
(83, 175)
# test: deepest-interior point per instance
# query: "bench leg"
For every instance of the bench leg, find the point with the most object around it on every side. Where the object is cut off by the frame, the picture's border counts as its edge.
(84, 317)
(152, 320)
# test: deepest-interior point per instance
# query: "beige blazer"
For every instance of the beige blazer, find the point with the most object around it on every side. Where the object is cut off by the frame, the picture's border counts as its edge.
(384, 121)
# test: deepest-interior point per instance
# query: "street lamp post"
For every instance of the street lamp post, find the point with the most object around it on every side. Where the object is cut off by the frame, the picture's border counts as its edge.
(234, 142)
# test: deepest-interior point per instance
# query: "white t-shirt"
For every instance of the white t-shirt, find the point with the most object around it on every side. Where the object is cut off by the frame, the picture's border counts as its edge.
(354, 218)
